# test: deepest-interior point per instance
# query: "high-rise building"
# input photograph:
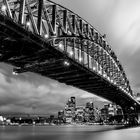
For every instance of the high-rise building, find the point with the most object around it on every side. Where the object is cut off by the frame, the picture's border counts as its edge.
(89, 112)
(111, 110)
(97, 114)
(90, 105)
(107, 111)
(71, 102)
(111, 113)
(79, 114)
(104, 113)
(61, 116)
(70, 110)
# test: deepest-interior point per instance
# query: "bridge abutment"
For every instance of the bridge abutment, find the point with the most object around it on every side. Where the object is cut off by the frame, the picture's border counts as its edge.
(138, 116)
(131, 116)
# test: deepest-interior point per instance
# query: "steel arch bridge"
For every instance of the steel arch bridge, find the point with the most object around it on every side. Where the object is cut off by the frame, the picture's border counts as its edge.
(43, 37)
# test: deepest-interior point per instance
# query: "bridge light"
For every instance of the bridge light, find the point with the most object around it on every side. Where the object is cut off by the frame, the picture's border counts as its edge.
(66, 63)
(122, 88)
(14, 73)
(28, 23)
(111, 81)
(80, 59)
(71, 53)
(132, 108)
(94, 68)
(3, 8)
(46, 36)
(99, 72)
(60, 45)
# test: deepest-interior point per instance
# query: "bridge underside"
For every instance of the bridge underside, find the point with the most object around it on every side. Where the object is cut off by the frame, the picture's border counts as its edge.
(29, 52)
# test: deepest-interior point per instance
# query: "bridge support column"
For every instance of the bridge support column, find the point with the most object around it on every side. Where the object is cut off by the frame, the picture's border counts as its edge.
(138, 117)
(39, 20)
(125, 115)
(21, 12)
(131, 116)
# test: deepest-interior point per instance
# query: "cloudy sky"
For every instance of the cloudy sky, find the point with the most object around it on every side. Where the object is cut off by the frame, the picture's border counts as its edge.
(118, 19)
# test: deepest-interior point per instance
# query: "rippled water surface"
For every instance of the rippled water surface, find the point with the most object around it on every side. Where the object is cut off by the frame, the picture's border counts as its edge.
(68, 133)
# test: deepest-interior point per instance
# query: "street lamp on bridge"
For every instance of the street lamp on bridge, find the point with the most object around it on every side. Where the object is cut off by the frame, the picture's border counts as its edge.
(3, 8)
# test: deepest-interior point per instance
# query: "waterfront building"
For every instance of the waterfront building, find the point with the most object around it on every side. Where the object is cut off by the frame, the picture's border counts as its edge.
(69, 115)
(51, 119)
(89, 112)
(111, 113)
(79, 114)
(61, 116)
(71, 103)
(111, 110)
(97, 114)
(90, 105)
(69, 111)
(104, 113)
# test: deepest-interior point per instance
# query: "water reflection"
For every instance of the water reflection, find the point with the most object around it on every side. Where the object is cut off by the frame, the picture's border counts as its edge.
(68, 133)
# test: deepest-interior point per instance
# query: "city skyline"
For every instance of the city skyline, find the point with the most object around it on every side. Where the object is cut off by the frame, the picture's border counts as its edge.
(29, 92)
(72, 113)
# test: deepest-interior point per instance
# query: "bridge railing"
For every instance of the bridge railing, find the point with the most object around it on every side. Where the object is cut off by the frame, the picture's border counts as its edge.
(70, 34)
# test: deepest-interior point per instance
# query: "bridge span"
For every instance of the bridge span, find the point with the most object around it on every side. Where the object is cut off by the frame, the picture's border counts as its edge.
(43, 37)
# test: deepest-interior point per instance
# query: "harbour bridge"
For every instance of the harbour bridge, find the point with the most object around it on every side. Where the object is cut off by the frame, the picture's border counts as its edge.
(43, 37)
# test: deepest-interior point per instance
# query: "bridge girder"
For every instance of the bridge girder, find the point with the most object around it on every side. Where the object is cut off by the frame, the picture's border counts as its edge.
(55, 30)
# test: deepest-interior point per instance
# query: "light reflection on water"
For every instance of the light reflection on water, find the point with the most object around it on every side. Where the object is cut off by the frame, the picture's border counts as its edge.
(68, 133)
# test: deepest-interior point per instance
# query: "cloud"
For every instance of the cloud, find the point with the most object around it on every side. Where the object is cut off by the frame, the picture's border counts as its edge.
(31, 93)
(125, 26)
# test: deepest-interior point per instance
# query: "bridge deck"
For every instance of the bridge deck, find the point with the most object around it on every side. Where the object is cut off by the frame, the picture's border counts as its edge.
(41, 57)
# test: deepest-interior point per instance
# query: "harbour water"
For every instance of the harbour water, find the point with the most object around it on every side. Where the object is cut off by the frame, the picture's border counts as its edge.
(81, 132)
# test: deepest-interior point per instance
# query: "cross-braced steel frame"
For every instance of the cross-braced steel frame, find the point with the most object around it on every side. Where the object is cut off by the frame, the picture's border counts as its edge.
(69, 34)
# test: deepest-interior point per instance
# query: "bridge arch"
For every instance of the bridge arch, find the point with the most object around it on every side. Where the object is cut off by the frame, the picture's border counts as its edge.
(68, 34)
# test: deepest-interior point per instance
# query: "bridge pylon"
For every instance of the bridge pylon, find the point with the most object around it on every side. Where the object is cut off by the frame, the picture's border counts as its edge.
(131, 115)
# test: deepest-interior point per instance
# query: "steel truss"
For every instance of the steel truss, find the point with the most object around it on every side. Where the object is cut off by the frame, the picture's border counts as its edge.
(69, 34)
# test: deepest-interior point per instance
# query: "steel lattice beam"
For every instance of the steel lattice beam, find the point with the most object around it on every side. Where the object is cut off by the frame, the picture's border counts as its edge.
(39, 21)
(63, 35)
